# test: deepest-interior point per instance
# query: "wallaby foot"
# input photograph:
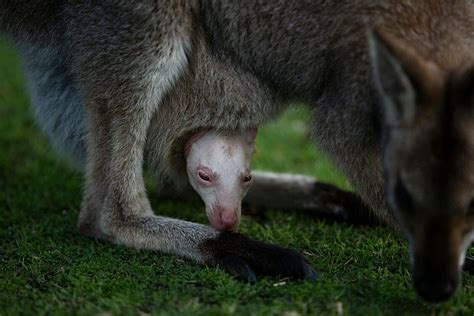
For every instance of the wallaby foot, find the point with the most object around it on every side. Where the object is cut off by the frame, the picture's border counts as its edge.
(245, 258)
(339, 205)
(306, 194)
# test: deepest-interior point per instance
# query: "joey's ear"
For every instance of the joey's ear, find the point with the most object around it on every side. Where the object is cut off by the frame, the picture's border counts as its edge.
(397, 86)
(192, 138)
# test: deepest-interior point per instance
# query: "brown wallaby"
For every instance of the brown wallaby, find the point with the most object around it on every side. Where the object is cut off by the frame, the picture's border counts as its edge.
(390, 84)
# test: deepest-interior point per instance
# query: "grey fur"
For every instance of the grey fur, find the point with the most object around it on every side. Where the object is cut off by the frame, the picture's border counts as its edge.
(58, 103)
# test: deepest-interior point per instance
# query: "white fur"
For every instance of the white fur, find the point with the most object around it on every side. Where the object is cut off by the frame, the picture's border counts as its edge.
(229, 159)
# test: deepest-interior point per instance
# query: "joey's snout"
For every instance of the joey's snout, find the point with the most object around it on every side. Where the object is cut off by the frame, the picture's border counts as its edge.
(218, 168)
(224, 218)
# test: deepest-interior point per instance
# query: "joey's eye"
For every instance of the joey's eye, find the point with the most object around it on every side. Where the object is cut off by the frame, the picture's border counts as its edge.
(248, 178)
(403, 198)
(204, 176)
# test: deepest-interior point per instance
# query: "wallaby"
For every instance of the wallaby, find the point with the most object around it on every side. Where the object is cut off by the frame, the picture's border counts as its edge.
(395, 116)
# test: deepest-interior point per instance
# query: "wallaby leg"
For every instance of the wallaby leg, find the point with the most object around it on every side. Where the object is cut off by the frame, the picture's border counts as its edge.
(94, 189)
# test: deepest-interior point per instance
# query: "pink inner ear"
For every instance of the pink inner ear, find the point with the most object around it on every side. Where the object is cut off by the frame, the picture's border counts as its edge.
(251, 134)
(194, 138)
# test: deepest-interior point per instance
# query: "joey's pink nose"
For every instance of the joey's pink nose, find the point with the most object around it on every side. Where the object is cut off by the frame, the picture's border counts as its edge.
(225, 219)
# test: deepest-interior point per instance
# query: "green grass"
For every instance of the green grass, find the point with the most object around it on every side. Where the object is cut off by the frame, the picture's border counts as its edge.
(46, 267)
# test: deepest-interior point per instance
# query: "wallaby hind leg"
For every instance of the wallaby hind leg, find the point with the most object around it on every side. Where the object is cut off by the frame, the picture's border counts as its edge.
(303, 193)
(121, 100)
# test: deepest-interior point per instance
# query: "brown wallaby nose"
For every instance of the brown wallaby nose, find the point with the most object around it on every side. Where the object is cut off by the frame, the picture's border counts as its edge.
(435, 290)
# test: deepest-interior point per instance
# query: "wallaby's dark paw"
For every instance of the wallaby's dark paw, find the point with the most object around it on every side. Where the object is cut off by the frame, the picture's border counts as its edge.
(343, 206)
(246, 258)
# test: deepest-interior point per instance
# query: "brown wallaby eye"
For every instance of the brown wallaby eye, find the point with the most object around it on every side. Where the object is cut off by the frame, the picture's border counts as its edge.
(248, 178)
(403, 198)
(204, 176)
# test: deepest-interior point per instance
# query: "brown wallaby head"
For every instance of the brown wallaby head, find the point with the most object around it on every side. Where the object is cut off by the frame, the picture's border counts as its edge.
(428, 156)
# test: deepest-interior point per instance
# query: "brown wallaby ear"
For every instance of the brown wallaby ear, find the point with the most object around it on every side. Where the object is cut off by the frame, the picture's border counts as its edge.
(397, 86)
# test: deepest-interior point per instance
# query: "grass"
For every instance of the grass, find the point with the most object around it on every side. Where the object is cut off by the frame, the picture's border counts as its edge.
(46, 267)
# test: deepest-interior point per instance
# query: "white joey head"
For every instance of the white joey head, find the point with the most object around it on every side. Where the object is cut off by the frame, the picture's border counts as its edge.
(218, 167)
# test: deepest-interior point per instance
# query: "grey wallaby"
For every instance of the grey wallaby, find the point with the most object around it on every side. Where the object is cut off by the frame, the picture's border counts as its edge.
(390, 84)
